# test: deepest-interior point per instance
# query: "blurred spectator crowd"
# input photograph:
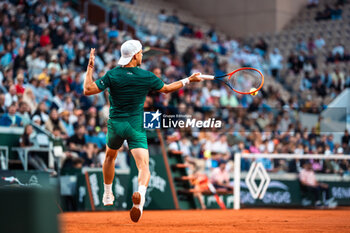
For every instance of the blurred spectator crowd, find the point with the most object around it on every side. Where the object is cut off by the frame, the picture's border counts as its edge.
(44, 50)
(206, 150)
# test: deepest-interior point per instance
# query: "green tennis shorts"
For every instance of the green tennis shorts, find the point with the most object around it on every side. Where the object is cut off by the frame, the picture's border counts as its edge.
(129, 129)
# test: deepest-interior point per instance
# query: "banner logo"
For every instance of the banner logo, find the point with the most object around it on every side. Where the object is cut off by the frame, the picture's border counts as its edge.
(33, 181)
(257, 170)
(94, 188)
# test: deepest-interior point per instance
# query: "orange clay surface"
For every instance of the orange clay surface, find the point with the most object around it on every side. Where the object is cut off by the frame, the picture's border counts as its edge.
(245, 220)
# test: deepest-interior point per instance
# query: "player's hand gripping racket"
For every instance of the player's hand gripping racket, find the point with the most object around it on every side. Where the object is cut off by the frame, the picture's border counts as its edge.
(245, 80)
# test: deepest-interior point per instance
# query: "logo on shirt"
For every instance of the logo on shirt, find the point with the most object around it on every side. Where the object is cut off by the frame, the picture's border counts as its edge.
(151, 120)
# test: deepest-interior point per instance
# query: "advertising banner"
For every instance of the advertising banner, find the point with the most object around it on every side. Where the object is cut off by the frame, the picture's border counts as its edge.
(282, 193)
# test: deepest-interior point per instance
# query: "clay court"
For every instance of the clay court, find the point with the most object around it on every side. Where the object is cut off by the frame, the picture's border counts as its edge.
(251, 220)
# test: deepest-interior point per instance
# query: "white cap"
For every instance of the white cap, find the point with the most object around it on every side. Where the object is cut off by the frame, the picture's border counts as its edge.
(128, 49)
(36, 118)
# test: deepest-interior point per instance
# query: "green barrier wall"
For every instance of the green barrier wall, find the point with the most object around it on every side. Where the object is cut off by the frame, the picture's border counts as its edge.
(29, 202)
(28, 210)
(281, 193)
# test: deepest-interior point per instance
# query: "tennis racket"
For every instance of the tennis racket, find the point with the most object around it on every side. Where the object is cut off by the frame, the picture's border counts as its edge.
(245, 80)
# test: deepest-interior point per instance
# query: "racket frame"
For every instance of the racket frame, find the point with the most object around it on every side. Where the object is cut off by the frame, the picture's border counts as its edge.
(211, 77)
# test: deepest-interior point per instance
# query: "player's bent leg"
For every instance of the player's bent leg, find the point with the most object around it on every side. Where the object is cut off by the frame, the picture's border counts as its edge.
(141, 157)
(108, 175)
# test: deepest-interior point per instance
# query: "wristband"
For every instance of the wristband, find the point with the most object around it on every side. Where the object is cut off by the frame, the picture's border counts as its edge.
(91, 66)
(185, 81)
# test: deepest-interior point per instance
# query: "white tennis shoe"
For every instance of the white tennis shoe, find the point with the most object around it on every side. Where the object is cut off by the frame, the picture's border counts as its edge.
(108, 199)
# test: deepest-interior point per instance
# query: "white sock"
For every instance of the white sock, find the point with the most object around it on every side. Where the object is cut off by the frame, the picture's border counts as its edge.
(142, 190)
(108, 188)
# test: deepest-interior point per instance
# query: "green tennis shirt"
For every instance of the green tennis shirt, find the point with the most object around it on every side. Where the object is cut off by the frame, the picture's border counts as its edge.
(127, 89)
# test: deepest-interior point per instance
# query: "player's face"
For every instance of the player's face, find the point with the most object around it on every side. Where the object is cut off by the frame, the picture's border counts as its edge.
(139, 58)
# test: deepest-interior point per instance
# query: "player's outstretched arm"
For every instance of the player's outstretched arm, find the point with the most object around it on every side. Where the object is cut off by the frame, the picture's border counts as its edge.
(90, 87)
(167, 88)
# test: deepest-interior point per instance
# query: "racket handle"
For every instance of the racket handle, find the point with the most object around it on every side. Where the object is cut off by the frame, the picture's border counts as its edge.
(206, 77)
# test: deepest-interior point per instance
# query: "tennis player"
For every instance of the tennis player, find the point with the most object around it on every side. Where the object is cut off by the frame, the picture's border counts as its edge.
(128, 86)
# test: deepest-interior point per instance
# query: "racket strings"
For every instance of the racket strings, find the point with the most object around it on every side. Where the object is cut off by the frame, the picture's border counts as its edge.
(245, 80)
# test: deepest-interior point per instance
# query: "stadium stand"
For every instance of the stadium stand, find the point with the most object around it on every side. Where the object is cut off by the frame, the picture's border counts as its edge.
(320, 43)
